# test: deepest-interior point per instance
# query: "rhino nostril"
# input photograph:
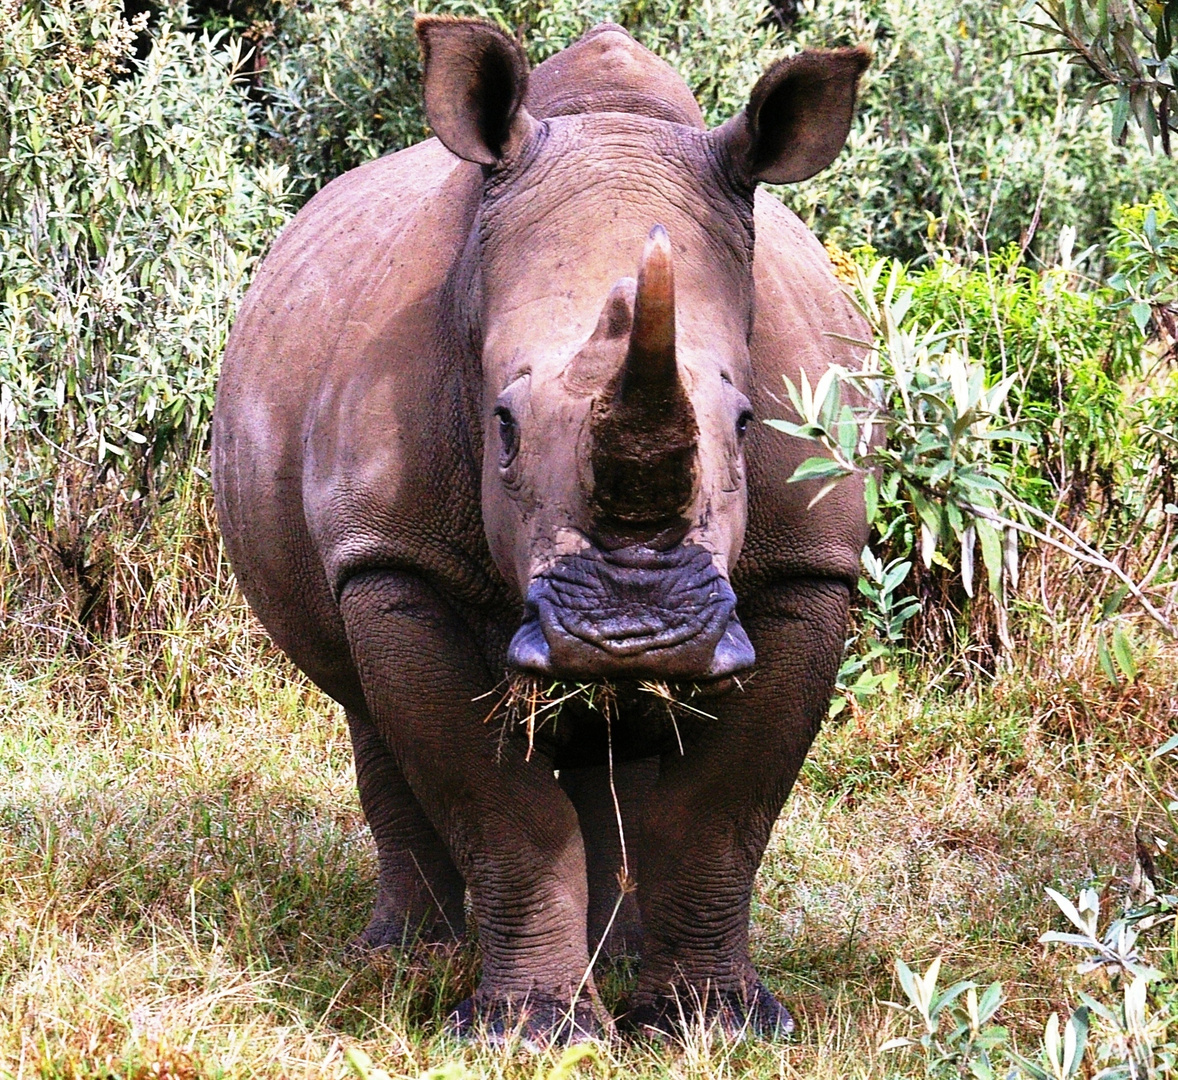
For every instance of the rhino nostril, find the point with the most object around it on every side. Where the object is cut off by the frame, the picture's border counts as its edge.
(528, 650)
(734, 652)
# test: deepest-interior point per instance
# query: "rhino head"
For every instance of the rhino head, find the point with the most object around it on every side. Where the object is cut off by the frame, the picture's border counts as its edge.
(607, 296)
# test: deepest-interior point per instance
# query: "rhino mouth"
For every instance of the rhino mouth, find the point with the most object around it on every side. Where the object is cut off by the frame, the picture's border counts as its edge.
(633, 612)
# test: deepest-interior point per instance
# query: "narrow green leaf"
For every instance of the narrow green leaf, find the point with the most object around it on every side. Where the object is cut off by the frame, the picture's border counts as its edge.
(1150, 226)
(1075, 1040)
(817, 468)
(1031, 1069)
(1113, 604)
(1170, 744)
(950, 996)
(1106, 661)
(795, 396)
(848, 432)
(1069, 909)
(1123, 652)
(991, 1001)
(895, 575)
(1101, 1010)
(799, 431)
(871, 498)
(991, 542)
(908, 982)
(1120, 115)
(823, 491)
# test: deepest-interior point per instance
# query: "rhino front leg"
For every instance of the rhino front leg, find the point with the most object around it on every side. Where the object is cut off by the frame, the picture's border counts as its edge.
(420, 895)
(706, 825)
(512, 832)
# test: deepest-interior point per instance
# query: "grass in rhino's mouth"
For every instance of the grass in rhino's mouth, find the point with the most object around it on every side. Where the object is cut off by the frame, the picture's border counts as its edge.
(527, 702)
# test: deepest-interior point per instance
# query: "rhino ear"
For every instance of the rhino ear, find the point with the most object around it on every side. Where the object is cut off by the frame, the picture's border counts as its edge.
(475, 81)
(797, 119)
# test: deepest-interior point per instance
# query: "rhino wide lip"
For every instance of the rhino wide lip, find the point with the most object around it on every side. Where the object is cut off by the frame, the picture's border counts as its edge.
(633, 612)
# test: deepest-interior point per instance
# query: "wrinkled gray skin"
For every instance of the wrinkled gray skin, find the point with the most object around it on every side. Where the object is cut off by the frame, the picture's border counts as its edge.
(491, 403)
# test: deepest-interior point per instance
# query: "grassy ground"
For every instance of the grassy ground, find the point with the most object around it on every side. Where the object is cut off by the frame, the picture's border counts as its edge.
(182, 859)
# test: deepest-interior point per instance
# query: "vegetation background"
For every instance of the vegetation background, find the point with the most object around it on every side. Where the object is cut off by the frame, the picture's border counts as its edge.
(182, 857)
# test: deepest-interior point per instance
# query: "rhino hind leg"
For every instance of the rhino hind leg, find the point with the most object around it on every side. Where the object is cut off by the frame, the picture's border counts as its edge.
(420, 894)
(591, 794)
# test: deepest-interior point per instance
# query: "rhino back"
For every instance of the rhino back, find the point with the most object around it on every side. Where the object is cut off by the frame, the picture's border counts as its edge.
(800, 307)
(336, 439)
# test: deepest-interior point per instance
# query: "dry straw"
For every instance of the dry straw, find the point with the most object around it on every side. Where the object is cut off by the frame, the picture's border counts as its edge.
(530, 703)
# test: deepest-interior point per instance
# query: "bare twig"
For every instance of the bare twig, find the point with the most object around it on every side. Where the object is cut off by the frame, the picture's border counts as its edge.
(1081, 552)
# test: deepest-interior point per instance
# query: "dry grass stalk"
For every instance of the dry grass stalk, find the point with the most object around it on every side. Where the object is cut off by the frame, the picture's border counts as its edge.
(528, 702)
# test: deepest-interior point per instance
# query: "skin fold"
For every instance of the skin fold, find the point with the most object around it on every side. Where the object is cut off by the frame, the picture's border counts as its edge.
(492, 405)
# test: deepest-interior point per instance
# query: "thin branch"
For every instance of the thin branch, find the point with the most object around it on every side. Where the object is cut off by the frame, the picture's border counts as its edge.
(1087, 555)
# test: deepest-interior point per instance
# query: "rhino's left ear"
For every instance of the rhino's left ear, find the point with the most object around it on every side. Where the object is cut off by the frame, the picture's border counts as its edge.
(475, 81)
(797, 119)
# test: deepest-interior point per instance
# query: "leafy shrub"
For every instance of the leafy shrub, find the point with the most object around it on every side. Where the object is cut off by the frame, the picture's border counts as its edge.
(965, 142)
(1144, 251)
(1005, 397)
(1126, 47)
(1125, 1028)
(345, 80)
(129, 221)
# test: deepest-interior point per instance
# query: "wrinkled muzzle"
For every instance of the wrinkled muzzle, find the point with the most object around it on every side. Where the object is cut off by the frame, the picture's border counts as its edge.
(634, 612)
(643, 600)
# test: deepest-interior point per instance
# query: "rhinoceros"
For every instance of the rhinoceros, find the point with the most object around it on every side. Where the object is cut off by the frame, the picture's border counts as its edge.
(488, 407)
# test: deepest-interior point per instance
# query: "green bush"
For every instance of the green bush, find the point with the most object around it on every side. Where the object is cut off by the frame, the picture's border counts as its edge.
(964, 143)
(1086, 388)
(1125, 1027)
(130, 218)
(345, 80)
(1014, 406)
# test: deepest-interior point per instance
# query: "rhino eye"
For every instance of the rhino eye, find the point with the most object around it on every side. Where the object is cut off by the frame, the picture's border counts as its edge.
(508, 437)
(742, 423)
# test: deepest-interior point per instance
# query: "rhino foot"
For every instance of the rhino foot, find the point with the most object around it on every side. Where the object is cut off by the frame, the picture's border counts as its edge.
(754, 1013)
(534, 1023)
(383, 934)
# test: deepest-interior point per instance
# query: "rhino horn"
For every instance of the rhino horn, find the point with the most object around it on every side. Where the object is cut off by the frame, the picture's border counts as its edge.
(651, 373)
(645, 434)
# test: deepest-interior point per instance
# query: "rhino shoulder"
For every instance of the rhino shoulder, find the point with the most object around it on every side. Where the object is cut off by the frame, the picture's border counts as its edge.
(389, 466)
(320, 418)
(362, 225)
(803, 320)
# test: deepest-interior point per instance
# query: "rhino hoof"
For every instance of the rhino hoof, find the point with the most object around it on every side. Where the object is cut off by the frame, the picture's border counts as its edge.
(737, 1016)
(386, 934)
(534, 1024)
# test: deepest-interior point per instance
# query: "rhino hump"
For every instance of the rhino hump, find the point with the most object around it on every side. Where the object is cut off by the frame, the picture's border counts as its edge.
(608, 71)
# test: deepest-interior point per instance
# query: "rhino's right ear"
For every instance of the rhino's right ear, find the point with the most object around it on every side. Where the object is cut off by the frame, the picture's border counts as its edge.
(475, 81)
(797, 117)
